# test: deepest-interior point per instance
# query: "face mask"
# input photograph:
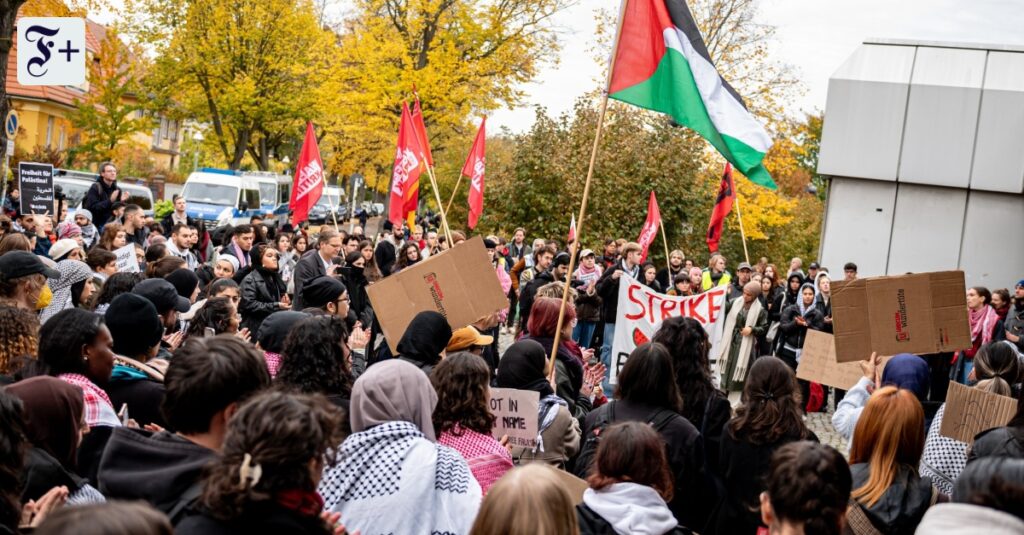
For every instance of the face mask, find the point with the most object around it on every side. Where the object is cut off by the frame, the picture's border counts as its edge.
(45, 296)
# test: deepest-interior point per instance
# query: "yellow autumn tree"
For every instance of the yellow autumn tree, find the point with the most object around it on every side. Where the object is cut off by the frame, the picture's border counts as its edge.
(465, 57)
(249, 69)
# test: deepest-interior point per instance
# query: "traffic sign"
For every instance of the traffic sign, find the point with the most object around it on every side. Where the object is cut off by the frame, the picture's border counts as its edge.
(11, 124)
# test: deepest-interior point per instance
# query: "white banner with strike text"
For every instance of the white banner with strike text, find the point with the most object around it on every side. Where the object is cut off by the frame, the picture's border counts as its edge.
(641, 311)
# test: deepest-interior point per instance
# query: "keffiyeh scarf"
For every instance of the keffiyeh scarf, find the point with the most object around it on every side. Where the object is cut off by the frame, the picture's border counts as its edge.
(99, 411)
(391, 479)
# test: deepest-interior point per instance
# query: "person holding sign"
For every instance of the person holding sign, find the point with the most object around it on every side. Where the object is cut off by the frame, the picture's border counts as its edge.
(745, 321)
(905, 371)
(996, 368)
(463, 420)
(795, 321)
(525, 366)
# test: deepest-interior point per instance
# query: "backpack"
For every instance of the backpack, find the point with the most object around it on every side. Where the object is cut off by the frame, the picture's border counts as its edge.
(658, 420)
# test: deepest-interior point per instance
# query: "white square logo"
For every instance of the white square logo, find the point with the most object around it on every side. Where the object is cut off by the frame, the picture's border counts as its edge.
(51, 51)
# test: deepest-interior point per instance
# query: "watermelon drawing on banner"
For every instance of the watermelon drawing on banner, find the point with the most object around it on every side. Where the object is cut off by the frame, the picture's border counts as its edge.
(639, 337)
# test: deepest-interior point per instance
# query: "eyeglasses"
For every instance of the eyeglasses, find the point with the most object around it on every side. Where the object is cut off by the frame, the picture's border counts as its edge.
(345, 300)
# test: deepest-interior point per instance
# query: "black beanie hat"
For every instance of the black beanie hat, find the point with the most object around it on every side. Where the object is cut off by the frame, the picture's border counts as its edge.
(184, 280)
(274, 330)
(321, 290)
(134, 324)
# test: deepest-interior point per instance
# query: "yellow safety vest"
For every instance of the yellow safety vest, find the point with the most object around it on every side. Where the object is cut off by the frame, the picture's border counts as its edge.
(706, 284)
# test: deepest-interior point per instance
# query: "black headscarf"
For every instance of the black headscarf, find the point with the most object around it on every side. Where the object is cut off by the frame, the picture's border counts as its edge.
(185, 281)
(522, 367)
(425, 338)
(53, 416)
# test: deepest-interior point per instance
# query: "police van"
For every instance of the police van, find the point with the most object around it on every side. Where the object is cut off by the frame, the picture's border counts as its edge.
(222, 197)
(275, 193)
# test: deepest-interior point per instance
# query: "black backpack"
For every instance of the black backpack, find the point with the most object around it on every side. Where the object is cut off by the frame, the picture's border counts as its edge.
(659, 419)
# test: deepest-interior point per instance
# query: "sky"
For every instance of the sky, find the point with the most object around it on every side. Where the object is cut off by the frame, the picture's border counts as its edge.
(814, 36)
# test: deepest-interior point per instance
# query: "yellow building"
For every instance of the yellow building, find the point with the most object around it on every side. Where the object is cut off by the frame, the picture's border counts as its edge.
(43, 111)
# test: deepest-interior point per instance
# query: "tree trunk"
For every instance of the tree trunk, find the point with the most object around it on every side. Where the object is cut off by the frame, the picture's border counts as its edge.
(8, 12)
(241, 142)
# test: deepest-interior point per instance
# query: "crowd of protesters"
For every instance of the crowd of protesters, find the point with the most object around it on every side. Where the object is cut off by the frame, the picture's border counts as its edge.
(239, 382)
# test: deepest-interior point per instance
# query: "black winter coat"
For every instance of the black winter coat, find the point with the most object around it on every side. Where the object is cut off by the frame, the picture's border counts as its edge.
(262, 290)
(592, 523)
(97, 201)
(608, 289)
(528, 294)
(998, 442)
(793, 333)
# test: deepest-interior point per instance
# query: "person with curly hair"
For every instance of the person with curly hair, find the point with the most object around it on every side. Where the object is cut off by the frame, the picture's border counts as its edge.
(463, 420)
(808, 490)
(316, 360)
(115, 285)
(768, 417)
(265, 481)
(218, 313)
(113, 238)
(19, 340)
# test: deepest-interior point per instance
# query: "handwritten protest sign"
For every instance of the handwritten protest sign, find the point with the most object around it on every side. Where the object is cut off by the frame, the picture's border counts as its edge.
(641, 311)
(818, 363)
(126, 260)
(970, 411)
(516, 415)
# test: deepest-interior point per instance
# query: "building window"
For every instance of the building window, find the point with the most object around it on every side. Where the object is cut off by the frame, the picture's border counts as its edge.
(60, 139)
(164, 128)
(49, 131)
(174, 130)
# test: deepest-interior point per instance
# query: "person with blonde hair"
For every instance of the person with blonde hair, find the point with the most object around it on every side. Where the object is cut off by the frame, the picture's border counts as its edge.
(889, 495)
(996, 369)
(716, 274)
(529, 500)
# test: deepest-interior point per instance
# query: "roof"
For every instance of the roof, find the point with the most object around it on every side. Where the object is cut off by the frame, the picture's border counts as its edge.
(65, 95)
(927, 113)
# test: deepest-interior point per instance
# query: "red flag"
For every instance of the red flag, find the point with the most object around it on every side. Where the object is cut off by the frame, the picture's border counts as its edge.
(572, 229)
(421, 132)
(723, 205)
(474, 169)
(308, 184)
(650, 230)
(406, 174)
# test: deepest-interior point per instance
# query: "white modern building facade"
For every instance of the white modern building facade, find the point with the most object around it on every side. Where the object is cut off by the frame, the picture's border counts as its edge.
(923, 143)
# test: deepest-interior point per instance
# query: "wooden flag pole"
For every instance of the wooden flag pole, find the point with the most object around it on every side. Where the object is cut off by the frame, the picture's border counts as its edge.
(454, 191)
(668, 263)
(586, 195)
(437, 197)
(739, 216)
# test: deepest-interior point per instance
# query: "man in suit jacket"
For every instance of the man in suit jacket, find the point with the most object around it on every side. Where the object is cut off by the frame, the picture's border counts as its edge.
(317, 264)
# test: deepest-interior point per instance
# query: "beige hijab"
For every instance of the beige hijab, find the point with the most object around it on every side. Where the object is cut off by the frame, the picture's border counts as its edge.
(390, 391)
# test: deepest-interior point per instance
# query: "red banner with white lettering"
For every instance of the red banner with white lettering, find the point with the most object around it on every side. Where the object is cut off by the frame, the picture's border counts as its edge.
(308, 183)
(474, 169)
(409, 164)
(723, 205)
(650, 230)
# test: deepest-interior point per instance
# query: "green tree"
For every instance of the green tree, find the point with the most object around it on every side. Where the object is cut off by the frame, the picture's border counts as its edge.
(113, 110)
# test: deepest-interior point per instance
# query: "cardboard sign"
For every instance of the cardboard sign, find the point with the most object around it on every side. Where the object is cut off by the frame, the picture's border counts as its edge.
(920, 314)
(641, 311)
(35, 183)
(970, 411)
(460, 283)
(818, 363)
(126, 260)
(516, 415)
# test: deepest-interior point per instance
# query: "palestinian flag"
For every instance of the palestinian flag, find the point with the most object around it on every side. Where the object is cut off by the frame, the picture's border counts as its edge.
(662, 64)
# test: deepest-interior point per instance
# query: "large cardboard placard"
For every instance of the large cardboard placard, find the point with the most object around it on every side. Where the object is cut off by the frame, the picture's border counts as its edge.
(921, 313)
(35, 183)
(818, 363)
(642, 310)
(516, 415)
(127, 262)
(970, 411)
(459, 283)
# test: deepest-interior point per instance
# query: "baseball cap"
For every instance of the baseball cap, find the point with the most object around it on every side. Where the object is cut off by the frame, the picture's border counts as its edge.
(562, 259)
(1020, 283)
(467, 337)
(814, 265)
(162, 294)
(490, 244)
(744, 265)
(14, 264)
(586, 253)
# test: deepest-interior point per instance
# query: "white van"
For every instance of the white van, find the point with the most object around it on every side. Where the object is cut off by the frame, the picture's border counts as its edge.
(332, 199)
(222, 197)
(275, 194)
(75, 184)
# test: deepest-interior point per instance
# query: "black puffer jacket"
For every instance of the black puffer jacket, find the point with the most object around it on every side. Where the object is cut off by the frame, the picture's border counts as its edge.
(904, 503)
(792, 332)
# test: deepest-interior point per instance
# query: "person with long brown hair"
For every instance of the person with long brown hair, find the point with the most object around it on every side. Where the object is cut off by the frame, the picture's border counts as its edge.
(630, 484)
(113, 238)
(529, 500)
(768, 417)
(266, 478)
(889, 496)
(462, 418)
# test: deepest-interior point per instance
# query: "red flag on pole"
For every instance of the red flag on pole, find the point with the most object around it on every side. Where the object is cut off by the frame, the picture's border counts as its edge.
(406, 174)
(572, 229)
(474, 169)
(308, 184)
(723, 205)
(650, 230)
(421, 131)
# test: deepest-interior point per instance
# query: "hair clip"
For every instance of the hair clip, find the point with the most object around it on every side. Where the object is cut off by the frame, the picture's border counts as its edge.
(249, 473)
